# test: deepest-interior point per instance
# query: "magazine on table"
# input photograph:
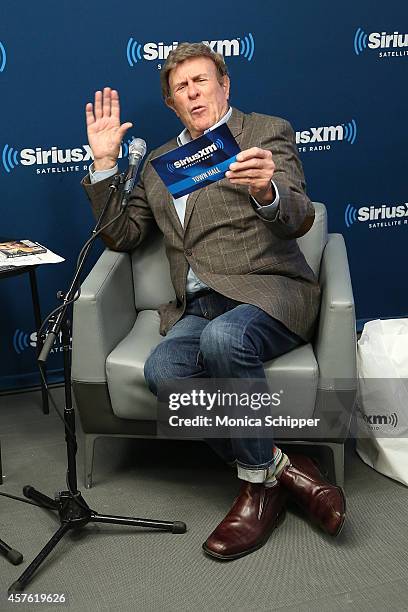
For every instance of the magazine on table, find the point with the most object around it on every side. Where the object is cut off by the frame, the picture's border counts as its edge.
(19, 253)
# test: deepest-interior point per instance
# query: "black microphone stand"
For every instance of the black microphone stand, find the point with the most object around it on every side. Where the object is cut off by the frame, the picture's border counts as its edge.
(74, 512)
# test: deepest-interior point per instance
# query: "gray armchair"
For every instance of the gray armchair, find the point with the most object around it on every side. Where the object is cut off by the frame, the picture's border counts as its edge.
(116, 325)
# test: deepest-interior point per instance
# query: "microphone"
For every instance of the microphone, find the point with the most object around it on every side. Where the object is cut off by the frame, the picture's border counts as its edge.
(137, 151)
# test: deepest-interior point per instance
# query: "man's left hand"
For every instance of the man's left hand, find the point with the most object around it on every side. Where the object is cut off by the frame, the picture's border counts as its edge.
(254, 167)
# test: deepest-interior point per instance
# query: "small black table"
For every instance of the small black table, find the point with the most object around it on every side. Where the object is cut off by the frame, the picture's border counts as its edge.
(30, 270)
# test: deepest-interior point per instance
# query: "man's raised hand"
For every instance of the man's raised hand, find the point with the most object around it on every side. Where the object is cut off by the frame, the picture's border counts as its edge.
(105, 132)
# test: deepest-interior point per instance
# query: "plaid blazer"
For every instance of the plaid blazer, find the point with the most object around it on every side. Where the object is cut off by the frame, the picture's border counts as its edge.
(227, 243)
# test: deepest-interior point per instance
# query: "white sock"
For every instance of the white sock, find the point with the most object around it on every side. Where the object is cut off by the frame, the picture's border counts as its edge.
(280, 461)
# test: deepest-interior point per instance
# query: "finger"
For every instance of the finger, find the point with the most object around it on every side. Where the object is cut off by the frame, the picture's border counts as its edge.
(115, 105)
(98, 105)
(253, 162)
(124, 128)
(241, 181)
(255, 184)
(89, 115)
(250, 173)
(253, 152)
(106, 102)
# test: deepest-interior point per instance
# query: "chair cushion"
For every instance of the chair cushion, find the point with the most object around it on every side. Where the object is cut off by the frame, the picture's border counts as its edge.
(131, 399)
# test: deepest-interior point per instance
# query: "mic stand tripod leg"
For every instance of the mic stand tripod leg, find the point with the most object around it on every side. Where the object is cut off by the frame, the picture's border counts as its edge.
(11, 555)
(25, 577)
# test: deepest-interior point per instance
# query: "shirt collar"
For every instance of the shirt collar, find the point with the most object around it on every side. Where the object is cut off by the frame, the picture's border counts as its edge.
(184, 137)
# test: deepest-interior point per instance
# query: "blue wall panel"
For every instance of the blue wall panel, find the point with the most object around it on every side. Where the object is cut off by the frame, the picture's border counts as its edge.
(321, 66)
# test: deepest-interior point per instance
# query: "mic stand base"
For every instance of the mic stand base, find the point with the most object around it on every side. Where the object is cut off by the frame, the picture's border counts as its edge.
(75, 513)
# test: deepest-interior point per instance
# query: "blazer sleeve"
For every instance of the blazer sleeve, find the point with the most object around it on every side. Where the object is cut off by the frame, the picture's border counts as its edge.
(135, 223)
(295, 214)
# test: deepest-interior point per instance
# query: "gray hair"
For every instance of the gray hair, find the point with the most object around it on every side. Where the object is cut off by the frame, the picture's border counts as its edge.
(185, 51)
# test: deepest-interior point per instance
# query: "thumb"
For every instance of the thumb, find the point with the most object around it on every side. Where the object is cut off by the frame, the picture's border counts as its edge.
(124, 128)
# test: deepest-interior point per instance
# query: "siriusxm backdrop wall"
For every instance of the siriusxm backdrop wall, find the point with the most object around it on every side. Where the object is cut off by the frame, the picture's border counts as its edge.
(336, 71)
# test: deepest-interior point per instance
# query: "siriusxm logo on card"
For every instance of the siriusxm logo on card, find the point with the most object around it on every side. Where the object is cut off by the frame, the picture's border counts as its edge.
(202, 154)
(198, 163)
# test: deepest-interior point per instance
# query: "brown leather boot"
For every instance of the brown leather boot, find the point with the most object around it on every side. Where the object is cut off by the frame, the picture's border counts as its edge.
(255, 513)
(324, 503)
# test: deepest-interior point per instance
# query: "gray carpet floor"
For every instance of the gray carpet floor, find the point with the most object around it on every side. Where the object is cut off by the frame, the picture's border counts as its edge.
(105, 567)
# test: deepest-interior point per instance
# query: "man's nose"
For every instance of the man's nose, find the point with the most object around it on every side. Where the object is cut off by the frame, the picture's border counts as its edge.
(192, 90)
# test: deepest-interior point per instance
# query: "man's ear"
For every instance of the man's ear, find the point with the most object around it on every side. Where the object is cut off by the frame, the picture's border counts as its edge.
(226, 85)
(169, 103)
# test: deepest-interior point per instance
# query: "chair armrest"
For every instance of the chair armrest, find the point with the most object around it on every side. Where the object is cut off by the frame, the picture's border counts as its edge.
(103, 315)
(335, 340)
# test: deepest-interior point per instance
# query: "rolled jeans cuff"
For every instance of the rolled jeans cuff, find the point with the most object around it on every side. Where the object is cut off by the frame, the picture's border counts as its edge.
(256, 475)
(266, 474)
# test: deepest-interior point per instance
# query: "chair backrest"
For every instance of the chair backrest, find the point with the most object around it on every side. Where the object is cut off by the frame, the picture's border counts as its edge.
(151, 272)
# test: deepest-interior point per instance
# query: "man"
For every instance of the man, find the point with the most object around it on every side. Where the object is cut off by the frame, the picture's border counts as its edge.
(245, 293)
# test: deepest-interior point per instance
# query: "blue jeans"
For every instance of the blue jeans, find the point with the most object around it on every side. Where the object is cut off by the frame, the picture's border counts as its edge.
(220, 338)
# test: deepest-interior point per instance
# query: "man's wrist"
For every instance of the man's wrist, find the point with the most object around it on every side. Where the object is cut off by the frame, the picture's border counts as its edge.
(265, 198)
(100, 165)
(95, 176)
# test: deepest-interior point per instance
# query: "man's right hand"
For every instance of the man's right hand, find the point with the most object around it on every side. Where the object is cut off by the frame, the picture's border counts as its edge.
(105, 133)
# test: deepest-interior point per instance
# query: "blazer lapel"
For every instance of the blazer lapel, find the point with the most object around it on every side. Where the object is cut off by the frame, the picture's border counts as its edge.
(235, 124)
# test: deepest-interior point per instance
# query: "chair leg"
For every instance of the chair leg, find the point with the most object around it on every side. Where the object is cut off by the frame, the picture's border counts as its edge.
(88, 459)
(1, 468)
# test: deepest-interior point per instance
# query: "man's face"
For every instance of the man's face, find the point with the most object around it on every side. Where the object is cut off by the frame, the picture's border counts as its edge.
(196, 95)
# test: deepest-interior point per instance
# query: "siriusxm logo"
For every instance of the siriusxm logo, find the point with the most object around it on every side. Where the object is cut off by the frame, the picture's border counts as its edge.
(380, 40)
(199, 156)
(376, 420)
(377, 216)
(241, 46)
(320, 138)
(381, 419)
(3, 57)
(10, 157)
(23, 341)
(343, 131)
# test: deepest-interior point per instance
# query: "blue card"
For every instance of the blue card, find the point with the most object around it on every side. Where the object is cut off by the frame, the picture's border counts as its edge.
(198, 163)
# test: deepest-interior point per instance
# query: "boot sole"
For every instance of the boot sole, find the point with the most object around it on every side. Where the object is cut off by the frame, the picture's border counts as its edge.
(278, 522)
